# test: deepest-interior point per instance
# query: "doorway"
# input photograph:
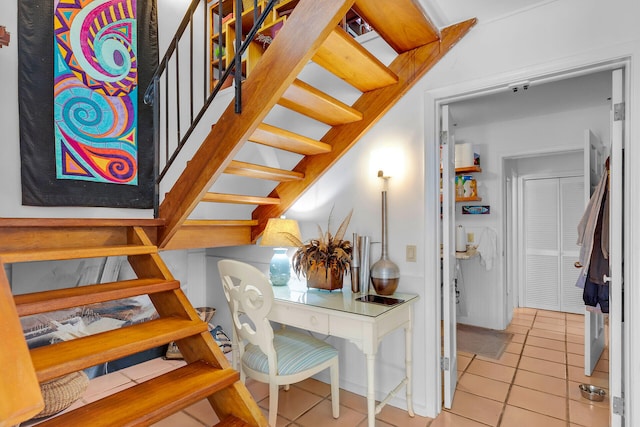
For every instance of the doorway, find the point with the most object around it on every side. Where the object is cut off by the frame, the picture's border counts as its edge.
(494, 144)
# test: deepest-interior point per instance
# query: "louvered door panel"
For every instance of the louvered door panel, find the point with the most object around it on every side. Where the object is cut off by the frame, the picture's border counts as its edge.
(572, 207)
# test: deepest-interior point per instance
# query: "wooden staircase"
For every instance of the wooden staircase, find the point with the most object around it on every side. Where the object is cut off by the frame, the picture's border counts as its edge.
(311, 33)
(207, 373)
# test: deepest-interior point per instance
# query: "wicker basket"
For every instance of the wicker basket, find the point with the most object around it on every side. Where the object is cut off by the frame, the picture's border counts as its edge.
(62, 392)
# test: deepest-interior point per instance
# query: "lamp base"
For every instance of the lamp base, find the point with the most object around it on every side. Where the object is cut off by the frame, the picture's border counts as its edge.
(280, 268)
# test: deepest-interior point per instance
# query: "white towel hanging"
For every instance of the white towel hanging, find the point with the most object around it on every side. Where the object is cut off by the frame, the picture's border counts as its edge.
(487, 247)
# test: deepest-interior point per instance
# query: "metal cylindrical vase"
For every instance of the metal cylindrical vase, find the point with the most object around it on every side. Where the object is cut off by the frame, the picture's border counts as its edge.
(365, 243)
(385, 274)
(355, 264)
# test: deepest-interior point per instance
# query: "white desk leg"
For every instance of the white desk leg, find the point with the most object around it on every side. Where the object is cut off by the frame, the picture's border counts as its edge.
(408, 361)
(371, 389)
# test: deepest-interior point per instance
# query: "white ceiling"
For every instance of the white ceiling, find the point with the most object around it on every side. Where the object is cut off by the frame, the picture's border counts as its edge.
(446, 12)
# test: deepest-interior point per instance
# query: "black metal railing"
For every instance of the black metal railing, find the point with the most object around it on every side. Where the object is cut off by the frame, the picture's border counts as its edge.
(168, 114)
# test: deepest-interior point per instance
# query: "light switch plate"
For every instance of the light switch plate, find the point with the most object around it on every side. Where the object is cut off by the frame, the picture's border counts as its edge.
(411, 253)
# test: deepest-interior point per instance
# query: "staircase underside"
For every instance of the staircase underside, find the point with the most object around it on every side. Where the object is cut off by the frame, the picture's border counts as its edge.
(311, 33)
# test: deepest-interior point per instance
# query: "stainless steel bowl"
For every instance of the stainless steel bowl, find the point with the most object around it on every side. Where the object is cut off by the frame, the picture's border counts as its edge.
(592, 392)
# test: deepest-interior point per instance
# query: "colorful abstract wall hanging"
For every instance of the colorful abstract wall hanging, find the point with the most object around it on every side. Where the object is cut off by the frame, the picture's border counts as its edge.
(95, 90)
(86, 136)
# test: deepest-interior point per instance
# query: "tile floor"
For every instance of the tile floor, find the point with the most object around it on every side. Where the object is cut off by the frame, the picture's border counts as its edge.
(534, 383)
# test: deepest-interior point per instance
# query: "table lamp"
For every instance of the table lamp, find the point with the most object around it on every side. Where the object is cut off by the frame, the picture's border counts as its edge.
(280, 233)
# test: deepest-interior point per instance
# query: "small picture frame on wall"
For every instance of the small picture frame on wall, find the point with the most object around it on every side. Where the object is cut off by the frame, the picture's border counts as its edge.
(476, 210)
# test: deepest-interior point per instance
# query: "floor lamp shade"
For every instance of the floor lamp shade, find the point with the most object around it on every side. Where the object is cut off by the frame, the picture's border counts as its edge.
(280, 233)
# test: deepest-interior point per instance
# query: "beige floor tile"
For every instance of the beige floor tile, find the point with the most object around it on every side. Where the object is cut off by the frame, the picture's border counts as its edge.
(149, 369)
(550, 321)
(203, 412)
(491, 370)
(546, 313)
(508, 359)
(517, 329)
(463, 362)
(538, 401)
(514, 347)
(525, 310)
(280, 421)
(545, 367)
(597, 378)
(400, 417)
(258, 390)
(102, 394)
(602, 365)
(575, 348)
(574, 331)
(518, 338)
(322, 415)
(179, 419)
(483, 386)
(575, 360)
(104, 383)
(543, 333)
(477, 408)
(522, 322)
(293, 404)
(353, 401)
(574, 394)
(588, 415)
(549, 327)
(314, 386)
(448, 419)
(514, 416)
(465, 353)
(544, 353)
(524, 316)
(541, 382)
(577, 339)
(365, 423)
(546, 343)
(575, 317)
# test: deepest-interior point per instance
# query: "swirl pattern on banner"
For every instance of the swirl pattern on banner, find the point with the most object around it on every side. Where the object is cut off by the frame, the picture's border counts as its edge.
(95, 91)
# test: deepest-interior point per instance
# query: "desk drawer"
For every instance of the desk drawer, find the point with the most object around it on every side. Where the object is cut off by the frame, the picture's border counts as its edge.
(300, 318)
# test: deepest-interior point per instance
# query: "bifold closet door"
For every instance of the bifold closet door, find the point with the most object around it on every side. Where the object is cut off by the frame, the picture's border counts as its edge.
(552, 210)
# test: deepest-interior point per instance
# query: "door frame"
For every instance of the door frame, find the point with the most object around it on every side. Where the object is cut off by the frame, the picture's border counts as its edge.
(553, 71)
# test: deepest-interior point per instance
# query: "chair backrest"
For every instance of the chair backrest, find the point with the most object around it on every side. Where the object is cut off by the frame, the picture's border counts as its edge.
(249, 293)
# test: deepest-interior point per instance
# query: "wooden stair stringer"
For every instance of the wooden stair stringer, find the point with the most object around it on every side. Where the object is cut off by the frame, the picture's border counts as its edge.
(234, 400)
(409, 67)
(24, 401)
(286, 57)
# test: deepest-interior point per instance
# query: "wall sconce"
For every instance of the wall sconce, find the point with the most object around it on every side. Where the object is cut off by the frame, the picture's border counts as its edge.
(280, 233)
(387, 162)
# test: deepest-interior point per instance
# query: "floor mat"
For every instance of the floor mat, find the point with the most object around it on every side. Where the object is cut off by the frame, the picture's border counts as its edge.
(482, 341)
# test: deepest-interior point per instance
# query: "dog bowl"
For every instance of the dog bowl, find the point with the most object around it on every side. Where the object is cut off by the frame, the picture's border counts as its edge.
(592, 392)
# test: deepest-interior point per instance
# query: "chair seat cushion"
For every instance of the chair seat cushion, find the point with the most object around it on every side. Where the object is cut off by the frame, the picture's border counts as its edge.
(296, 352)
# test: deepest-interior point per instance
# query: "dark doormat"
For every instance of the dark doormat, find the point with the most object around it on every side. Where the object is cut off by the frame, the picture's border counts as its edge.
(482, 341)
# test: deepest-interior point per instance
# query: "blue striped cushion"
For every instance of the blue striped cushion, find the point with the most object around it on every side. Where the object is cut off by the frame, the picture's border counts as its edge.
(296, 352)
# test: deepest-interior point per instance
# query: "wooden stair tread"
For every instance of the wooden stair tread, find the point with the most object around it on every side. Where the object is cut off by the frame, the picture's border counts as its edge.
(208, 233)
(59, 299)
(240, 199)
(59, 254)
(286, 140)
(311, 102)
(262, 172)
(152, 400)
(346, 58)
(403, 24)
(62, 358)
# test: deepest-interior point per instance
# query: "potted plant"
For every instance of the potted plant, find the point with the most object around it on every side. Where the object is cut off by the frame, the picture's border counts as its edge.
(325, 260)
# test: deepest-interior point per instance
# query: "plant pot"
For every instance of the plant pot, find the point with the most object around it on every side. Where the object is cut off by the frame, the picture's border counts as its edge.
(321, 278)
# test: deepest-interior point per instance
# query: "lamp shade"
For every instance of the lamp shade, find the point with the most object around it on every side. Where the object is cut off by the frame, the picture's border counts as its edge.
(279, 233)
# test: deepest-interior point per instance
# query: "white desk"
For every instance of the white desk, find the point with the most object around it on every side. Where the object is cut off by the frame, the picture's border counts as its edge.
(364, 324)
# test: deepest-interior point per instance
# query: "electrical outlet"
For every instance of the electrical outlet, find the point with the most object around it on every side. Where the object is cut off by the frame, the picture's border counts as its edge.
(470, 237)
(411, 253)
